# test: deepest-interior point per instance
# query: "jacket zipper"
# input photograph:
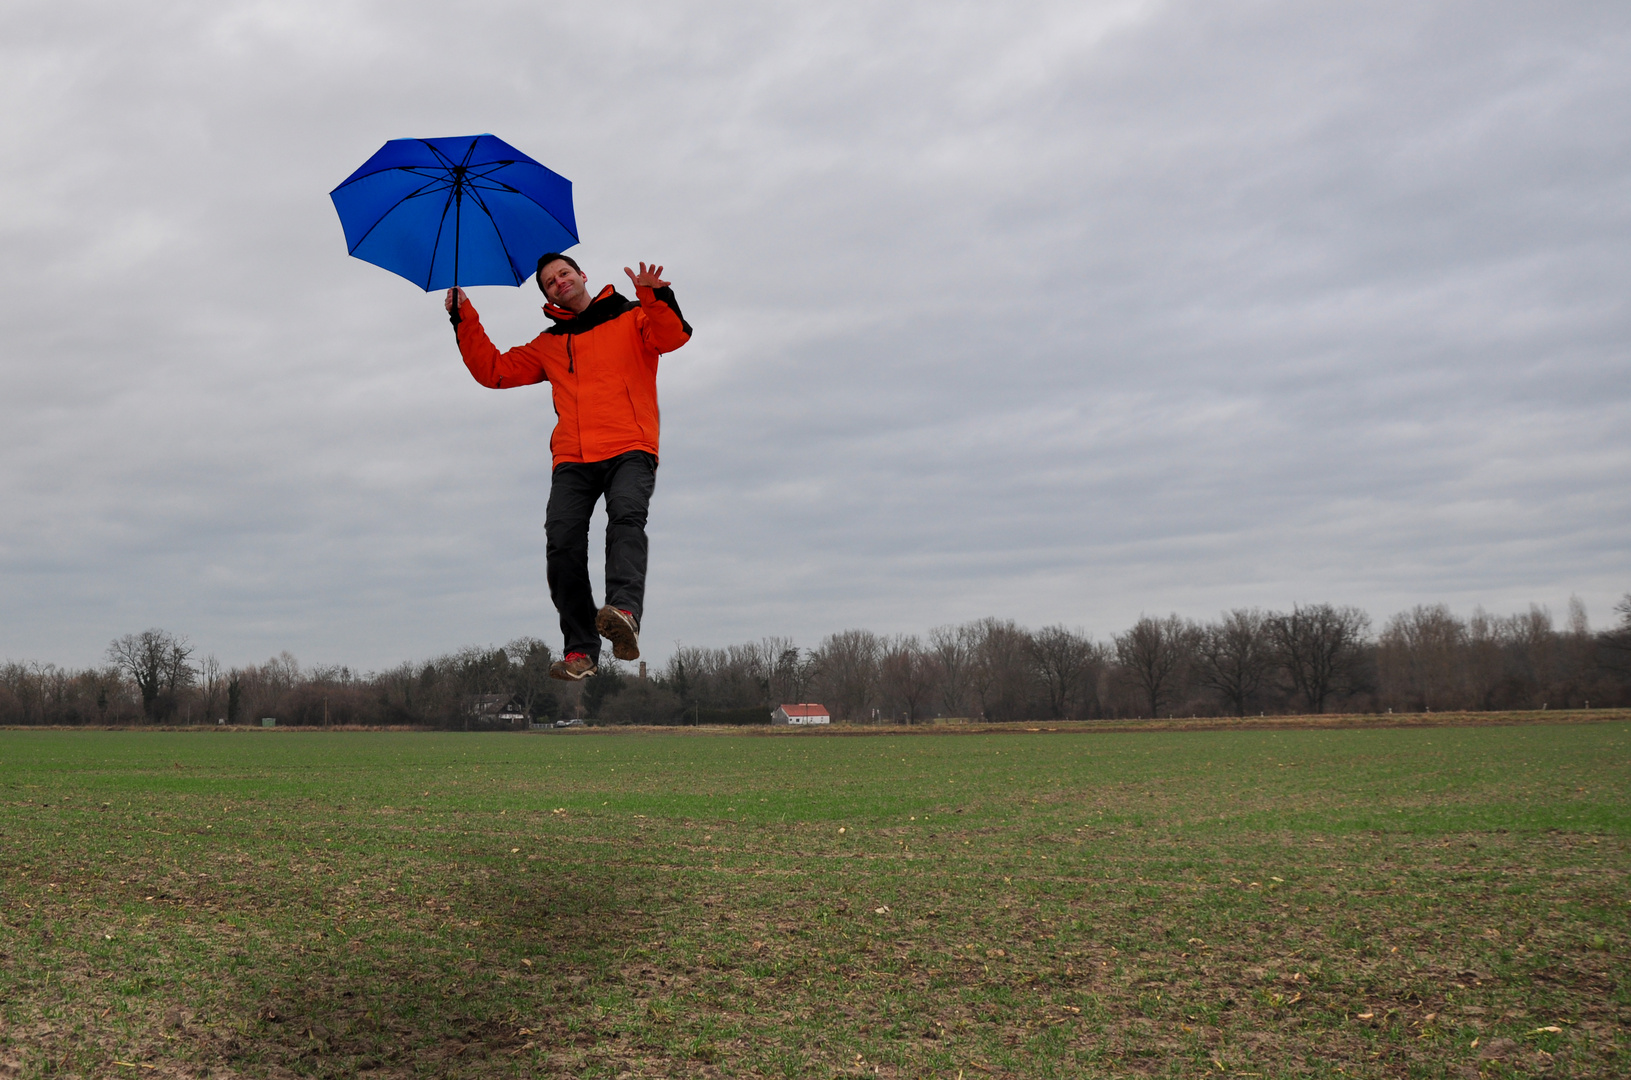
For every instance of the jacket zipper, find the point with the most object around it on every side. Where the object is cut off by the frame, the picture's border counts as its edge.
(570, 370)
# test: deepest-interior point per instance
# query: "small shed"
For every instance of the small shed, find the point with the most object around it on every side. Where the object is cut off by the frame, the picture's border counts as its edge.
(807, 713)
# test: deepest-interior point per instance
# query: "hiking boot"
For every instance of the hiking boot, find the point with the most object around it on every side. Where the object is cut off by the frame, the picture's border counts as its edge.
(572, 667)
(620, 628)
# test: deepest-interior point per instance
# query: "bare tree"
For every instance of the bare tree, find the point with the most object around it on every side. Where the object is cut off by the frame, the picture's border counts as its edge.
(953, 651)
(744, 674)
(108, 686)
(1577, 675)
(734, 677)
(1422, 658)
(1321, 649)
(1617, 642)
(646, 702)
(907, 675)
(680, 675)
(1485, 659)
(211, 686)
(156, 660)
(1154, 653)
(789, 671)
(1067, 662)
(530, 659)
(1000, 672)
(847, 670)
(1532, 654)
(1234, 655)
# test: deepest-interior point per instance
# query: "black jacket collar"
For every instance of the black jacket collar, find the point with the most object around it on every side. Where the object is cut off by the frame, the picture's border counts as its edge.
(604, 308)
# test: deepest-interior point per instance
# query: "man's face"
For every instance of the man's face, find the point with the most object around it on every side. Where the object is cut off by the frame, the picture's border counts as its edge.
(564, 286)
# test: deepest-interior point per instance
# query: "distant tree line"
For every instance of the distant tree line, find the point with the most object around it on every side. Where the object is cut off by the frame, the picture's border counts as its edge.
(155, 677)
(1312, 659)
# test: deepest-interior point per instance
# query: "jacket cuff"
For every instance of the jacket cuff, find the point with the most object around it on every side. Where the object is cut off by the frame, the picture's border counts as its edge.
(664, 295)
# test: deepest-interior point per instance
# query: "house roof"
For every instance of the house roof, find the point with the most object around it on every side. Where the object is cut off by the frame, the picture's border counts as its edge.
(805, 710)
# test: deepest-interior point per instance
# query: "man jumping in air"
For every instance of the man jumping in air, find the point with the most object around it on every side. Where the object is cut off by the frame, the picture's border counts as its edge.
(600, 359)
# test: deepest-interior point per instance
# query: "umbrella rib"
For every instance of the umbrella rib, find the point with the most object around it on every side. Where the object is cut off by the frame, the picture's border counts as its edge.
(401, 168)
(472, 178)
(387, 213)
(520, 159)
(573, 233)
(441, 156)
(435, 246)
(487, 183)
(434, 172)
(490, 167)
(508, 258)
(444, 175)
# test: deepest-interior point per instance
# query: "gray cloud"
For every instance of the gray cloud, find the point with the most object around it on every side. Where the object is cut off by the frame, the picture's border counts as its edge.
(1055, 311)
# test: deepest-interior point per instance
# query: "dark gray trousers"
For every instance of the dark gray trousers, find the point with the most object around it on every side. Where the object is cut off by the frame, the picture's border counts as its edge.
(626, 482)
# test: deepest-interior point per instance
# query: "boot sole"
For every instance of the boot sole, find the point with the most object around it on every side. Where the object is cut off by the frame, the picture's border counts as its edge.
(625, 640)
(567, 676)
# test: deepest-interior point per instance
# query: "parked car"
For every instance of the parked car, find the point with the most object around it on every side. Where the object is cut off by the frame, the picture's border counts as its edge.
(569, 723)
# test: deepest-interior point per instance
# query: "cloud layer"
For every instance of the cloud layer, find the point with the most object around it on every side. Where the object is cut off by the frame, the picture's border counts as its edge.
(1057, 311)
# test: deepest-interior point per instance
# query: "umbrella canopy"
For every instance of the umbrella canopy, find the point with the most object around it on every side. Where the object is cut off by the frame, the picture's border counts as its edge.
(471, 210)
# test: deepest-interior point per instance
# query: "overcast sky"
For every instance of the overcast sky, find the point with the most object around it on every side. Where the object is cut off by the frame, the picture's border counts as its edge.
(1055, 311)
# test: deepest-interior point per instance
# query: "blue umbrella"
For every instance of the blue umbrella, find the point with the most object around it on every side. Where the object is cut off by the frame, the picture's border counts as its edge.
(472, 210)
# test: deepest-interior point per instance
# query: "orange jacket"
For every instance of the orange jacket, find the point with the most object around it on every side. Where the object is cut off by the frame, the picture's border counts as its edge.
(601, 364)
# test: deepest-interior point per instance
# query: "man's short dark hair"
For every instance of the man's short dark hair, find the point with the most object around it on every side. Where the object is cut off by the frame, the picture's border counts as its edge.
(548, 257)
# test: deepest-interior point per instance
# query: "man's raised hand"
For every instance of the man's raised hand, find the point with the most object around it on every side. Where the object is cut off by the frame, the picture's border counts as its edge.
(448, 303)
(649, 277)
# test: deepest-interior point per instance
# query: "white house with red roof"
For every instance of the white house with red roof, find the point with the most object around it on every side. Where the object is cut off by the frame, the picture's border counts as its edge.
(801, 714)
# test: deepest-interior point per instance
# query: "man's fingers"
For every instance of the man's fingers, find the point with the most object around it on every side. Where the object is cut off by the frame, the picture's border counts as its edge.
(649, 275)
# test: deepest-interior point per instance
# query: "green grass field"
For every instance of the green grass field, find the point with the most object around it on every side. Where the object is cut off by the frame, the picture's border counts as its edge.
(1356, 903)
